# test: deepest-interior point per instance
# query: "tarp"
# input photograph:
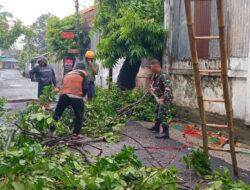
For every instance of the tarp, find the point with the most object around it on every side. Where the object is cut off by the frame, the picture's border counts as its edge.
(215, 139)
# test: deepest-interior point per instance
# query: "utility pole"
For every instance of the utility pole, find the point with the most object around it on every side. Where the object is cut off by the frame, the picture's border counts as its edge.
(78, 28)
(28, 58)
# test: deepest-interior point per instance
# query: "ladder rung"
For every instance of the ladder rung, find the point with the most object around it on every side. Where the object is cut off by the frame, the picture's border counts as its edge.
(206, 37)
(215, 125)
(220, 149)
(212, 100)
(210, 71)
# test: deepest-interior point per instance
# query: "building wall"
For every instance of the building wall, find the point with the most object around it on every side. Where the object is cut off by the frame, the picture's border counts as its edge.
(185, 93)
(103, 72)
(177, 58)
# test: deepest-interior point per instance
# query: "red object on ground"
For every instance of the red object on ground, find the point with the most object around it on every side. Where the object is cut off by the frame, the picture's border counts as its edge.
(68, 35)
(190, 130)
(167, 147)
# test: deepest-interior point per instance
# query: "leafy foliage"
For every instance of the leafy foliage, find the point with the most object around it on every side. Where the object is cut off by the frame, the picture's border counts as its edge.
(199, 161)
(101, 115)
(2, 103)
(28, 164)
(224, 181)
(29, 50)
(9, 32)
(59, 45)
(35, 167)
(39, 26)
(132, 29)
(49, 94)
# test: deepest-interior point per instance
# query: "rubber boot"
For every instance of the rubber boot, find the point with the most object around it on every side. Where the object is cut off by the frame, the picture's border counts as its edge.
(52, 131)
(164, 134)
(156, 127)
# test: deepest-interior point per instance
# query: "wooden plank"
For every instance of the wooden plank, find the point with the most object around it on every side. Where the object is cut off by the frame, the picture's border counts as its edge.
(217, 126)
(206, 37)
(210, 71)
(212, 100)
(194, 55)
(224, 76)
(22, 100)
(220, 149)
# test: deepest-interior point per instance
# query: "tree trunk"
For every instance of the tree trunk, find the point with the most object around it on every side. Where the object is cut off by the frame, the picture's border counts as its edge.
(127, 75)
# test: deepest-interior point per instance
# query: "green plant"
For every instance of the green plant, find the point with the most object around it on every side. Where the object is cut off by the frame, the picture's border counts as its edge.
(224, 181)
(132, 29)
(199, 161)
(56, 43)
(36, 167)
(2, 103)
(10, 29)
(48, 95)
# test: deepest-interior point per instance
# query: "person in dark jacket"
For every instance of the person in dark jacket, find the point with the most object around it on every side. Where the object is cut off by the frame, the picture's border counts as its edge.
(44, 75)
(74, 88)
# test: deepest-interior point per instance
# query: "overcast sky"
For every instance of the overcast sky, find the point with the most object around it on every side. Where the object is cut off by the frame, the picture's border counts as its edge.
(28, 10)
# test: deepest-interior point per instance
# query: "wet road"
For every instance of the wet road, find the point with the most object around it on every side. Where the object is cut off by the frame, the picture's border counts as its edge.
(14, 85)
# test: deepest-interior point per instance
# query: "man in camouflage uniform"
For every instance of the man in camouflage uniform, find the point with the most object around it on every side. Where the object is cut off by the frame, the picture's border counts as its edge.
(163, 89)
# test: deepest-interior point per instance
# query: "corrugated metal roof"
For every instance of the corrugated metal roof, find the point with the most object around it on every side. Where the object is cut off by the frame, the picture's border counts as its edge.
(8, 59)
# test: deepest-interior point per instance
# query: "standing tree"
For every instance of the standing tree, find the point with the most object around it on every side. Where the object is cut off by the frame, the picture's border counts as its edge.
(39, 26)
(55, 41)
(131, 29)
(9, 30)
(29, 50)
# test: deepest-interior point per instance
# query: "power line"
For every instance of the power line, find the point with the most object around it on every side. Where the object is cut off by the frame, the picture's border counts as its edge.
(81, 4)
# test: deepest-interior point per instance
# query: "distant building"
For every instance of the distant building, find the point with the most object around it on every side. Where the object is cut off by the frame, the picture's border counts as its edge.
(8, 63)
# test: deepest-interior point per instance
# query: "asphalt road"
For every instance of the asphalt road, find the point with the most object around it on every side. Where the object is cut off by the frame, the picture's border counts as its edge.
(14, 85)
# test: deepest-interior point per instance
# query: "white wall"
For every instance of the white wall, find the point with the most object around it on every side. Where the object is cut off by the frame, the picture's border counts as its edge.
(185, 93)
(103, 72)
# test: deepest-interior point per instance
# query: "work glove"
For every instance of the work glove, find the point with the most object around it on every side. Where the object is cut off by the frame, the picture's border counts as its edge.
(57, 90)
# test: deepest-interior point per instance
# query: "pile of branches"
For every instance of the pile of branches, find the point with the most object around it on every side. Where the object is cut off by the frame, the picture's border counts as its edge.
(75, 144)
(129, 109)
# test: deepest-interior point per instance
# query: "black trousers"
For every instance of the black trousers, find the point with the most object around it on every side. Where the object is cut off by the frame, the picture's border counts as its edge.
(78, 107)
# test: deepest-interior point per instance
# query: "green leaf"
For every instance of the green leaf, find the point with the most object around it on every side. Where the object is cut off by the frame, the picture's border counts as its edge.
(82, 184)
(119, 187)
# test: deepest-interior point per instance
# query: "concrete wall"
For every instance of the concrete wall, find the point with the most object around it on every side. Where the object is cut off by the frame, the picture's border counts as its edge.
(185, 93)
(178, 63)
(103, 72)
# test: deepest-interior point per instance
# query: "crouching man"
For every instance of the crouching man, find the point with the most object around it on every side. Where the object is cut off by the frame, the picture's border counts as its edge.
(74, 88)
(163, 89)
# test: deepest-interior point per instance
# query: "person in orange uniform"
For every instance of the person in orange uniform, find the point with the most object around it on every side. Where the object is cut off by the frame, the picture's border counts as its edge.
(74, 88)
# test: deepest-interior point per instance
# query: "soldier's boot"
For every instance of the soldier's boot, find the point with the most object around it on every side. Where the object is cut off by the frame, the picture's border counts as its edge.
(164, 134)
(156, 127)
